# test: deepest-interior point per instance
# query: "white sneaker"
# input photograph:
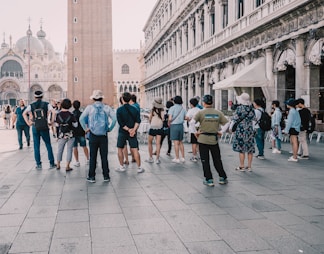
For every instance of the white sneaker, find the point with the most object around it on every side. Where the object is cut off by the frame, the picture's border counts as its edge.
(88, 162)
(140, 170)
(150, 160)
(77, 164)
(182, 160)
(175, 160)
(121, 169)
(292, 159)
(157, 161)
(193, 159)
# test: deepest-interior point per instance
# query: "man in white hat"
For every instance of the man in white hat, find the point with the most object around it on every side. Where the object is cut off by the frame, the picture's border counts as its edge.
(95, 121)
(38, 120)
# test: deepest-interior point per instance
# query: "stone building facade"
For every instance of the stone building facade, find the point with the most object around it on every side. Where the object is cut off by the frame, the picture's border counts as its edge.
(90, 54)
(272, 49)
(127, 73)
(30, 64)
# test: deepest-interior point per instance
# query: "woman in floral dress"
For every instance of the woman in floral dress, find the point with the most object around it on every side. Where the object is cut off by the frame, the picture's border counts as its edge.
(244, 134)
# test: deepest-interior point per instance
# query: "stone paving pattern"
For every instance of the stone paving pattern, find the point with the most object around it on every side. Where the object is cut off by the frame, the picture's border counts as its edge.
(277, 208)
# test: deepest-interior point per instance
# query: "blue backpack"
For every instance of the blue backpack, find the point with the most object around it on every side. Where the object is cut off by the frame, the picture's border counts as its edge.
(98, 120)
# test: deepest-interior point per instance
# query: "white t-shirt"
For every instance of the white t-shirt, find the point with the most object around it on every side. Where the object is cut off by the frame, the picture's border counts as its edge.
(191, 114)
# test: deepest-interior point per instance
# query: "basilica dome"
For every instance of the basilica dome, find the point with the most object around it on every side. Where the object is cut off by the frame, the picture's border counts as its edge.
(36, 47)
(48, 47)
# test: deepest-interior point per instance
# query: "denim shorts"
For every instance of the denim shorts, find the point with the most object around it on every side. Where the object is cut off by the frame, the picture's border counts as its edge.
(80, 140)
(176, 132)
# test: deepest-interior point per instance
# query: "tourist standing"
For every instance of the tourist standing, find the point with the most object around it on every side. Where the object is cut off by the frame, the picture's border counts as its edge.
(276, 134)
(192, 129)
(79, 136)
(176, 119)
(259, 107)
(156, 130)
(40, 110)
(305, 117)
(18, 121)
(95, 121)
(166, 129)
(210, 120)
(129, 119)
(66, 123)
(7, 116)
(244, 135)
(293, 127)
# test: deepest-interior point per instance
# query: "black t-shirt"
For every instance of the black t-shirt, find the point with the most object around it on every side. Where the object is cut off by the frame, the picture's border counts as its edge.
(78, 131)
(305, 116)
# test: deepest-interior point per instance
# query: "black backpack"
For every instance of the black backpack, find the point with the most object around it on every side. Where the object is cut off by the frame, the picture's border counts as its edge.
(265, 121)
(311, 123)
(64, 128)
(40, 116)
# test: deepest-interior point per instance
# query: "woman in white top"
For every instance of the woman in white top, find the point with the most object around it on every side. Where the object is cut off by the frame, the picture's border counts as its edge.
(156, 130)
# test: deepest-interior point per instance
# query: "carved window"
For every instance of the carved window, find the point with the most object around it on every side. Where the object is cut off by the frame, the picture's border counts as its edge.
(240, 8)
(259, 2)
(125, 69)
(225, 15)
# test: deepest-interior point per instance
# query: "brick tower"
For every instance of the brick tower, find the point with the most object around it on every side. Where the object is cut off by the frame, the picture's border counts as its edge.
(90, 64)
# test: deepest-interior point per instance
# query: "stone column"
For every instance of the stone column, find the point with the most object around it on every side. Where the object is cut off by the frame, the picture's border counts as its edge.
(301, 88)
(190, 31)
(190, 89)
(198, 77)
(177, 82)
(163, 93)
(232, 11)
(218, 17)
(198, 15)
(183, 88)
(207, 21)
(230, 91)
(207, 73)
(269, 75)
(179, 37)
(184, 31)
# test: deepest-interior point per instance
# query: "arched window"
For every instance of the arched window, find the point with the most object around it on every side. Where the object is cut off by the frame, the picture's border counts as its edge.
(125, 69)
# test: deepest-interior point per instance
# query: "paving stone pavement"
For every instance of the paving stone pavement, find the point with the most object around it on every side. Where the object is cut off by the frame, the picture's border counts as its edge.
(277, 208)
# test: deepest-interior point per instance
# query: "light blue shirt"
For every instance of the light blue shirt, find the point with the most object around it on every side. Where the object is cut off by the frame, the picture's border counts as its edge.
(293, 120)
(89, 110)
(178, 114)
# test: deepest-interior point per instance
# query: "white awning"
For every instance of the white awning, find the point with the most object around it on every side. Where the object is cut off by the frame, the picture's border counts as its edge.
(254, 75)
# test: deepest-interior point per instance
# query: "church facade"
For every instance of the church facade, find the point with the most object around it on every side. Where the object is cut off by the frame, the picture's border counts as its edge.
(272, 49)
(127, 73)
(30, 64)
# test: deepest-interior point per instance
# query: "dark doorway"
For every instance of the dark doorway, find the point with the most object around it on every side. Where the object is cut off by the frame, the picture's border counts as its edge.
(290, 82)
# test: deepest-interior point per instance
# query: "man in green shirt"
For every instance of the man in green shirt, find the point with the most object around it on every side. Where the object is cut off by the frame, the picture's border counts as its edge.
(207, 135)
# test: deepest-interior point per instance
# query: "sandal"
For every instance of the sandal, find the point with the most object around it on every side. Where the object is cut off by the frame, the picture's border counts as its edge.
(58, 167)
(126, 162)
(248, 169)
(242, 169)
(68, 169)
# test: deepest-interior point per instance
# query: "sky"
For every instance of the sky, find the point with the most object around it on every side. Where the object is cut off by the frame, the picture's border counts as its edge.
(129, 18)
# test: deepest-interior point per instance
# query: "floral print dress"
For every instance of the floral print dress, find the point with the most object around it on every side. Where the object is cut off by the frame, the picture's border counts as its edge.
(244, 134)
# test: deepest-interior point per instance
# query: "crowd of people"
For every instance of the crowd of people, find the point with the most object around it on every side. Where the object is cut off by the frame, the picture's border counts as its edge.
(72, 128)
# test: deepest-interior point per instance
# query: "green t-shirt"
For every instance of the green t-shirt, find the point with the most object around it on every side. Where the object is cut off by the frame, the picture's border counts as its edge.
(209, 119)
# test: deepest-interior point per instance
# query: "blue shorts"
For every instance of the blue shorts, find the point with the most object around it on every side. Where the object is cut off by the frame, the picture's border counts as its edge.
(176, 132)
(122, 138)
(80, 140)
